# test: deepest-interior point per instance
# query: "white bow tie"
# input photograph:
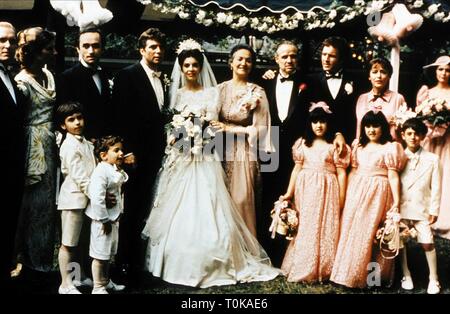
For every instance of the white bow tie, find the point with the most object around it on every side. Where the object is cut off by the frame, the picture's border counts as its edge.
(413, 159)
(156, 74)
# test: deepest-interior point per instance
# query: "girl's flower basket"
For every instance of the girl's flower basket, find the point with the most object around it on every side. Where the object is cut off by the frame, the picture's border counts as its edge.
(284, 219)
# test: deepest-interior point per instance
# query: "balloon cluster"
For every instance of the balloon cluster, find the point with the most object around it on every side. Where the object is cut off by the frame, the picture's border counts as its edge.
(84, 14)
(395, 25)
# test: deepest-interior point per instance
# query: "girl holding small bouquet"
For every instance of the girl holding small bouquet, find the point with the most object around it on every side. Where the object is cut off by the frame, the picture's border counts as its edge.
(433, 105)
(373, 192)
(318, 185)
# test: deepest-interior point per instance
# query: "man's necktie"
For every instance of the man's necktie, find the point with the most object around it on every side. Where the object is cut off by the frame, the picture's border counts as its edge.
(156, 74)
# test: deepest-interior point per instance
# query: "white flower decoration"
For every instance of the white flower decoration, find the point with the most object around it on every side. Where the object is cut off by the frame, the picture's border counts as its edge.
(189, 44)
(348, 88)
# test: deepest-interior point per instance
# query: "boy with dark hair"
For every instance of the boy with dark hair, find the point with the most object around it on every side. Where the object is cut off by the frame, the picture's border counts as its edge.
(420, 198)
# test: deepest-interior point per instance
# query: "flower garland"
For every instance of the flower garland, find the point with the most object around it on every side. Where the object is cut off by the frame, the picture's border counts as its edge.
(316, 17)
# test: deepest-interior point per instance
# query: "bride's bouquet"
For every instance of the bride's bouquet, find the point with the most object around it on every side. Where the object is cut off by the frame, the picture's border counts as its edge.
(190, 131)
(435, 112)
(284, 219)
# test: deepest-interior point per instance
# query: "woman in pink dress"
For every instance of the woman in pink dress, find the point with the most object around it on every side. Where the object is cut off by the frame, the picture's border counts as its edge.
(379, 97)
(373, 189)
(438, 138)
(318, 183)
(245, 118)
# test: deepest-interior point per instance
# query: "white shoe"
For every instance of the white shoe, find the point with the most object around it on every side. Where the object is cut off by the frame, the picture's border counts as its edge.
(433, 287)
(99, 290)
(114, 287)
(86, 282)
(68, 290)
(407, 283)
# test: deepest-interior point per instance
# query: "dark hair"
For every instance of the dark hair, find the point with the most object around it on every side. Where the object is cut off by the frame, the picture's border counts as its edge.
(243, 47)
(90, 30)
(194, 53)
(67, 109)
(151, 34)
(384, 63)
(340, 44)
(430, 73)
(103, 144)
(316, 115)
(417, 125)
(29, 50)
(376, 120)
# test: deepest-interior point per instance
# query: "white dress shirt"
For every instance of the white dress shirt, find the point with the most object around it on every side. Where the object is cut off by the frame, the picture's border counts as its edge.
(7, 81)
(283, 93)
(334, 84)
(156, 83)
(95, 77)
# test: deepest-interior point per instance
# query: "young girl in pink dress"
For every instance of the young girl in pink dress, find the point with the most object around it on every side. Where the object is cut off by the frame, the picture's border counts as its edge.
(318, 186)
(373, 190)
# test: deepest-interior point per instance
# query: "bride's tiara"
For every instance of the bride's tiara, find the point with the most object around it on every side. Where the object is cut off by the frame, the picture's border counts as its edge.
(189, 44)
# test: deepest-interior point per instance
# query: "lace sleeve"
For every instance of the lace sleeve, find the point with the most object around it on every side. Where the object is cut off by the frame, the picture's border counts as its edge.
(213, 108)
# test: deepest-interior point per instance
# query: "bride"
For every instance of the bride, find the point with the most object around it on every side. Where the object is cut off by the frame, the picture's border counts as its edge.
(196, 236)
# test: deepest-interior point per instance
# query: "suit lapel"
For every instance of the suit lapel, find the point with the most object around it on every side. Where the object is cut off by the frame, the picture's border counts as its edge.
(293, 102)
(273, 101)
(6, 93)
(422, 168)
(142, 77)
(325, 88)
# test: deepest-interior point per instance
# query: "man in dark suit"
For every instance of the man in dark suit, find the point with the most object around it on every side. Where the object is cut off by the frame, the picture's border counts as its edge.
(335, 86)
(88, 84)
(12, 157)
(138, 97)
(288, 103)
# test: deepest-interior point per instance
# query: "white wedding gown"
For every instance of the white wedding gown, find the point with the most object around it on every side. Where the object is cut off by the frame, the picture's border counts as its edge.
(196, 236)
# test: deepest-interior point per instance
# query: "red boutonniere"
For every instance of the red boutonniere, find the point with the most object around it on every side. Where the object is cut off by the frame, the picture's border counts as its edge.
(301, 87)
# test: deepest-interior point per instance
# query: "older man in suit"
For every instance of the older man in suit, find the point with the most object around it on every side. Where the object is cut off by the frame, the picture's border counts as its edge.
(138, 97)
(12, 157)
(87, 83)
(288, 104)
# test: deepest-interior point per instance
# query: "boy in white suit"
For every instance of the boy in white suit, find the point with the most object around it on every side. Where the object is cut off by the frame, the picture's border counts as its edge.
(420, 198)
(107, 177)
(77, 164)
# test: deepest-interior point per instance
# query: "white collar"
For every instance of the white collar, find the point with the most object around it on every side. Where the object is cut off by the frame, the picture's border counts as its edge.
(83, 63)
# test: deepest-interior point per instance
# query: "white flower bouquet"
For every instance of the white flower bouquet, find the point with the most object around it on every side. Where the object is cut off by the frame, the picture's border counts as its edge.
(190, 131)
(284, 219)
(435, 112)
(402, 114)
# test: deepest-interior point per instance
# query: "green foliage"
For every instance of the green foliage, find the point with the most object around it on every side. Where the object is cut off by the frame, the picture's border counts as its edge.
(123, 47)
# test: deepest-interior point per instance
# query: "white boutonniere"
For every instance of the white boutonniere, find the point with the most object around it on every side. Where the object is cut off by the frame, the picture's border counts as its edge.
(111, 84)
(348, 88)
(166, 81)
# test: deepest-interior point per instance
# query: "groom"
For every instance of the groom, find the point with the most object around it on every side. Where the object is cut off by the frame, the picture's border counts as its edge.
(138, 98)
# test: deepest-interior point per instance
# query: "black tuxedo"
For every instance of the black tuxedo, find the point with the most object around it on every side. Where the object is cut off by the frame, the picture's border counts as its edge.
(77, 84)
(12, 159)
(343, 106)
(276, 183)
(141, 123)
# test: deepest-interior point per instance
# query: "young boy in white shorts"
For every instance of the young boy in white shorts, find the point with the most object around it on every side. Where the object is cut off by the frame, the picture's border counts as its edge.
(77, 164)
(420, 198)
(107, 177)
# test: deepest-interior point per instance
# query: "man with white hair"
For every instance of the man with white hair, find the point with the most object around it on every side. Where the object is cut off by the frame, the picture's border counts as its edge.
(12, 157)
